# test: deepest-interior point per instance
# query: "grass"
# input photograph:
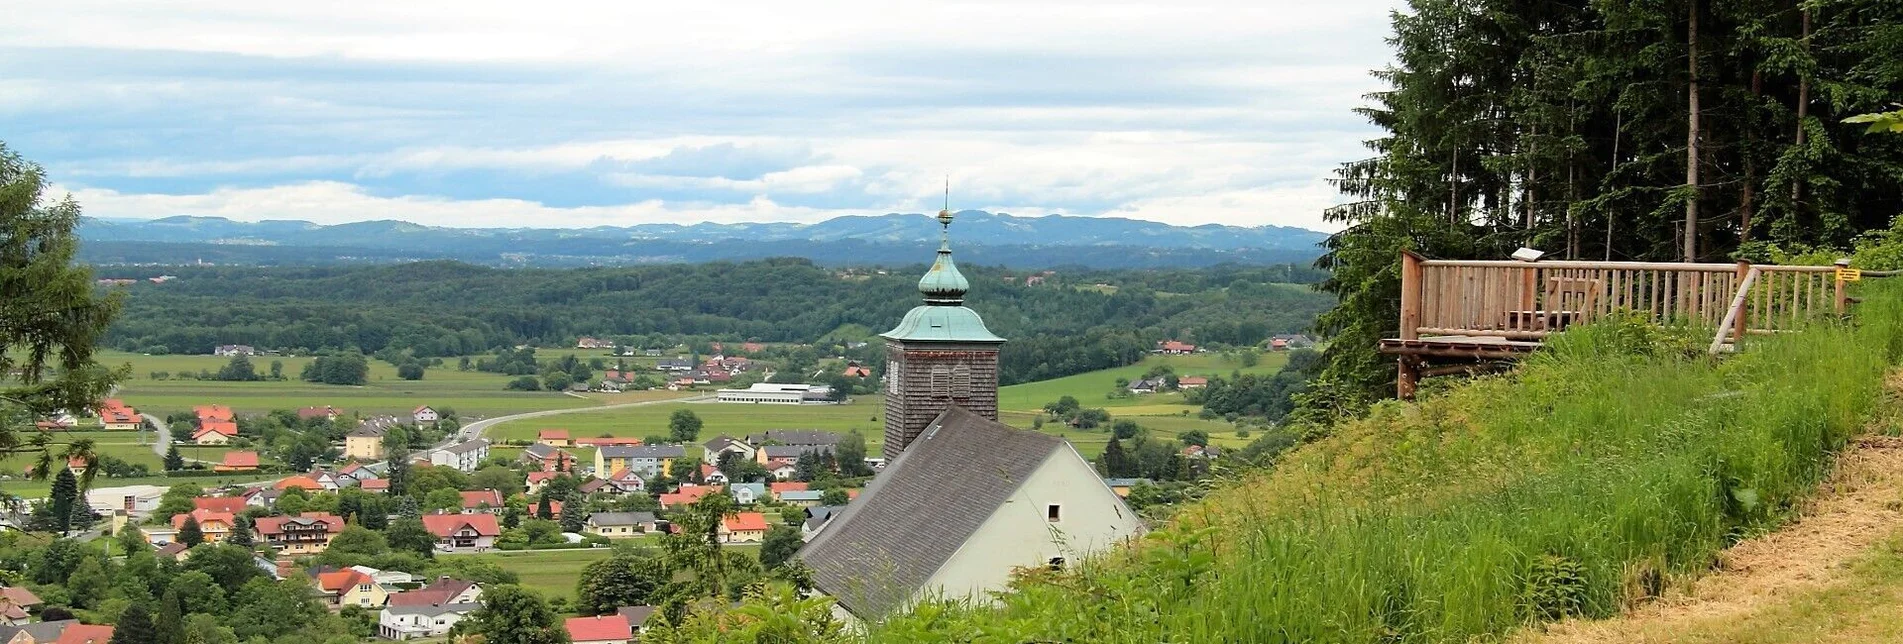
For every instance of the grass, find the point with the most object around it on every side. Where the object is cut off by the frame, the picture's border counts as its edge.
(717, 418)
(553, 572)
(470, 393)
(38, 489)
(1618, 461)
(1091, 388)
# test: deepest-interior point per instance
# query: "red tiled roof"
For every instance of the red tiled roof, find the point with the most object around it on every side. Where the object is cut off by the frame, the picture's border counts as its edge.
(598, 442)
(213, 412)
(225, 504)
(19, 596)
(473, 499)
(299, 481)
(542, 476)
(745, 521)
(225, 427)
(786, 486)
(1191, 381)
(341, 580)
(443, 525)
(688, 494)
(85, 634)
(599, 628)
(561, 434)
(203, 517)
(419, 410)
(375, 484)
(118, 415)
(438, 593)
(241, 459)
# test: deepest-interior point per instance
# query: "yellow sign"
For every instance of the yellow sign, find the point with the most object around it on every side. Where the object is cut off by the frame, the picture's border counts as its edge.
(1849, 274)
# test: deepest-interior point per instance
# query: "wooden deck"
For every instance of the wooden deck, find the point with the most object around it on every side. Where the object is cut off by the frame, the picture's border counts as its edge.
(1472, 347)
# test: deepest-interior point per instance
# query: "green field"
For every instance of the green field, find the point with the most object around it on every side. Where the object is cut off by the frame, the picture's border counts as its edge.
(470, 393)
(20, 486)
(553, 572)
(864, 413)
(1093, 388)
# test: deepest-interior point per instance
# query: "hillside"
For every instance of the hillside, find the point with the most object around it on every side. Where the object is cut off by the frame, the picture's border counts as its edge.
(1607, 470)
(1001, 239)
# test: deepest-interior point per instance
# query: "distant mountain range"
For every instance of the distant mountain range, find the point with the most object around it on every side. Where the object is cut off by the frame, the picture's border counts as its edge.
(892, 239)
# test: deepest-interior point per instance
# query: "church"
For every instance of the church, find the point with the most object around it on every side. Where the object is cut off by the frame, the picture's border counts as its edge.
(964, 499)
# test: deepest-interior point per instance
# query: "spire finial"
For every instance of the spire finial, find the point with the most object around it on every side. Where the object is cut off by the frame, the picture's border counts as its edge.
(943, 285)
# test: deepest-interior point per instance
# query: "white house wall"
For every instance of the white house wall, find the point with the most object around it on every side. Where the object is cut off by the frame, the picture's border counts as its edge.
(1093, 519)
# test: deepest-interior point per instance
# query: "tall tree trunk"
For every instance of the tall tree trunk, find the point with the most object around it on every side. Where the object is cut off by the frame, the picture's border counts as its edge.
(1691, 135)
(1618, 125)
(1453, 191)
(1532, 176)
(1746, 205)
(1803, 103)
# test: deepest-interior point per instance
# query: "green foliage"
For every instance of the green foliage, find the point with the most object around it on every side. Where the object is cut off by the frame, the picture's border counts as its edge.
(349, 369)
(408, 534)
(135, 627)
(238, 370)
(782, 541)
(190, 533)
(1555, 588)
(511, 615)
(410, 371)
(683, 426)
(621, 580)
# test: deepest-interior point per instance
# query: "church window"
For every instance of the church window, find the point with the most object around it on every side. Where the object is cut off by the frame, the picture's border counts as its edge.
(941, 381)
(961, 382)
(892, 376)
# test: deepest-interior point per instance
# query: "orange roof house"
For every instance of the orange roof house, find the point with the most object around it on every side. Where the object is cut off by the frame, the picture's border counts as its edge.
(743, 527)
(213, 412)
(554, 438)
(1191, 382)
(607, 440)
(85, 634)
(600, 629)
(215, 432)
(226, 504)
(238, 461)
(481, 500)
(687, 495)
(299, 481)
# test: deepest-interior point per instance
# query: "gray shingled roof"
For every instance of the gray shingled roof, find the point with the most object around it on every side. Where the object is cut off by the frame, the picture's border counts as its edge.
(621, 518)
(878, 553)
(41, 631)
(796, 437)
(540, 450)
(793, 451)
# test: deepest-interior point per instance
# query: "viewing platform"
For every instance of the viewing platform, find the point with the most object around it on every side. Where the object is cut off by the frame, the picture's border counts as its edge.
(1461, 316)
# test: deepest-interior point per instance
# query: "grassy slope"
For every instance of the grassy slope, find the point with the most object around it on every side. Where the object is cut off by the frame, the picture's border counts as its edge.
(553, 572)
(1565, 487)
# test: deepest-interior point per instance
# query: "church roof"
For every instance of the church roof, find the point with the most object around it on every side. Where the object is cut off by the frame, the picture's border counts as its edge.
(917, 513)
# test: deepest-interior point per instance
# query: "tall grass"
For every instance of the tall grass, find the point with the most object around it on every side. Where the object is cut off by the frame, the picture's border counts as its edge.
(1606, 468)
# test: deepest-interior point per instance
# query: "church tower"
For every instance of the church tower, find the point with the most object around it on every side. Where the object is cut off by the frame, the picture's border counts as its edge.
(939, 355)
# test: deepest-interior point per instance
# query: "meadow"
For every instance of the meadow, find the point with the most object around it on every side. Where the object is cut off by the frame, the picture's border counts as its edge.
(470, 393)
(1609, 467)
(553, 572)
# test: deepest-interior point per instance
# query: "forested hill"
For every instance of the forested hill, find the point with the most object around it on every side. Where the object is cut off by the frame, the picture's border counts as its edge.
(1071, 321)
(1002, 239)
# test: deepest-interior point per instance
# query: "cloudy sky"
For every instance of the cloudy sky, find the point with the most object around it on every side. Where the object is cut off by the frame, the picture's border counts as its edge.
(569, 114)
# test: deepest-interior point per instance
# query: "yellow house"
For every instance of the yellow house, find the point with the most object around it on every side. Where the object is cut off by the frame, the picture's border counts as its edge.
(364, 444)
(646, 460)
(352, 588)
(213, 524)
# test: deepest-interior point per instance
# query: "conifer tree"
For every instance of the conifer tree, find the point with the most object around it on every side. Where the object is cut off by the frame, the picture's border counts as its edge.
(191, 534)
(134, 627)
(62, 502)
(241, 532)
(173, 461)
(169, 627)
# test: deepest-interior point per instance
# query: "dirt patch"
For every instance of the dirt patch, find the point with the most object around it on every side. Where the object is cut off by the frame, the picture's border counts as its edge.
(1855, 510)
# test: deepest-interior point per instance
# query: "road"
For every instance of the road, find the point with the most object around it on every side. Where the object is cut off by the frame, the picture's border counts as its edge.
(165, 439)
(475, 429)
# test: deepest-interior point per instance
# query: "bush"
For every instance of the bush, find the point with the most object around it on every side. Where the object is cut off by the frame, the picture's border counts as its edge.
(525, 383)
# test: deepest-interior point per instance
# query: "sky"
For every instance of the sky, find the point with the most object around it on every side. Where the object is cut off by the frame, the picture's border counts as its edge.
(574, 114)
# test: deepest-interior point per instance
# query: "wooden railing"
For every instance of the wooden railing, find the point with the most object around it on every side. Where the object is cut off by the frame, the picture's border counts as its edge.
(1530, 300)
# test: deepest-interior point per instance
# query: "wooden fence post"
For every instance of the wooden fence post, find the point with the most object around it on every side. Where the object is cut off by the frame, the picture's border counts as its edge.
(1410, 295)
(1843, 303)
(1737, 332)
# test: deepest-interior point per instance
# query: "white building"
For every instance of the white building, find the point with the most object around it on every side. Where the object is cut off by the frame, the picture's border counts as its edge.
(137, 501)
(466, 456)
(424, 415)
(418, 621)
(1025, 499)
(776, 394)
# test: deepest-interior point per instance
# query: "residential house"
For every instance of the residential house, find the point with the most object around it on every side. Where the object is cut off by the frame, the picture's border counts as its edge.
(726, 445)
(712, 475)
(1175, 348)
(213, 524)
(228, 350)
(1201, 452)
(463, 532)
(237, 461)
(170, 549)
(620, 524)
(742, 527)
(85, 634)
(429, 611)
(365, 443)
(618, 483)
(15, 602)
(215, 432)
(554, 438)
(547, 458)
(305, 483)
(387, 577)
(349, 587)
(648, 460)
(594, 343)
(816, 519)
(637, 617)
(600, 629)
(675, 365)
(752, 347)
(35, 632)
(213, 412)
(748, 493)
(356, 471)
(325, 412)
(687, 495)
(778, 488)
(768, 453)
(782, 469)
(794, 437)
(537, 481)
(1192, 382)
(1147, 385)
(425, 415)
(120, 419)
(1122, 486)
(483, 501)
(465, 456)
(603, 441)
(801, 498)
(305, 534)
(1037, 503)
(375, 486)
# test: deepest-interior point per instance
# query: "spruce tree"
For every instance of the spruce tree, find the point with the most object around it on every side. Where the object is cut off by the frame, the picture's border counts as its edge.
(63, 501)
(190, 533)
(173, 461)
(135, 627)
(241, 532)
(543, 509)
(170, 624)
(574, 513)
(1116, 462)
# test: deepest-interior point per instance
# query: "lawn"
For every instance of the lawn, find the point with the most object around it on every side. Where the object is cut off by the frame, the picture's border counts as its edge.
(553, 572)
(864, 413)
(470, 393)
(31, 489)
(1093, 388)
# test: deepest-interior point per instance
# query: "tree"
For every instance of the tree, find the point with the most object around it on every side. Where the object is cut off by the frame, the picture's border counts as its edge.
(1125, 429)
(90, 581)
(807, 466)
(190, 533)
(544, 506)
(240, 532)
(442, 498)
(239, 369)
(834, 496)
(851, 453)
(51, 317)
(1116, 464)
(524, 383)
(781, 542)
(135, 627)
(621, 580)
(277, 369)
(62, 502)
(358, 540)
(574, 513)
(169, 626)
(683, 426)
(131, 540)
(410, 371)
(512, 615)
(1195, 437)
(173, 461)
(408, 534)
(351, 369)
